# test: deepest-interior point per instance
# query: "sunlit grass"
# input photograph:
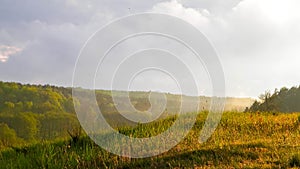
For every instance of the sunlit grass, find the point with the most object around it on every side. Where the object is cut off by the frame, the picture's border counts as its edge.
(242, 140)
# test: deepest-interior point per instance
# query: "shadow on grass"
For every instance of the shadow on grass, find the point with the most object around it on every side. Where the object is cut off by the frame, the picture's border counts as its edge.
(85, 154)
(205, 157)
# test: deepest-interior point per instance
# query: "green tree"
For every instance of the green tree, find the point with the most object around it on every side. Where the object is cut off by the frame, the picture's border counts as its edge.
(8, 136)
(25, 124)
(9, 107)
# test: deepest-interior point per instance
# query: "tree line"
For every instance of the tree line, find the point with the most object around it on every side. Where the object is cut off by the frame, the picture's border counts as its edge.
(284, 100)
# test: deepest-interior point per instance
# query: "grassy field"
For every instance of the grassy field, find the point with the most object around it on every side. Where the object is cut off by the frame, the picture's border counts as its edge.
(242, 140)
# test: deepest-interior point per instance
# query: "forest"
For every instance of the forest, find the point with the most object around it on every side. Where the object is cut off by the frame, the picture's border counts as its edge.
(31, 113)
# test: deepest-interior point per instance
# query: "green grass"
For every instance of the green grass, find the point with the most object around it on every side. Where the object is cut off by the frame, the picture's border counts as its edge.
(241, 140)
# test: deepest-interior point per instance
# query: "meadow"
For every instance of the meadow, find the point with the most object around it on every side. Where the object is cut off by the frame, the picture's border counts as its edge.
(241, 140)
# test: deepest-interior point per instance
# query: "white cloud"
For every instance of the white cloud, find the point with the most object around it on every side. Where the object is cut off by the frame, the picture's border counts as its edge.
(8, 51)
(257, 40)
(197, 17)
(276, 11)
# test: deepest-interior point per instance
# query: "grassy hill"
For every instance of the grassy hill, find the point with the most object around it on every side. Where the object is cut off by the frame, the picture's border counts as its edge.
(33, 113)
(241, 141)
(36, 123)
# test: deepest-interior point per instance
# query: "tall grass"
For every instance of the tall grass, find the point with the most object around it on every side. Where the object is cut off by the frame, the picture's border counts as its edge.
(242, 140)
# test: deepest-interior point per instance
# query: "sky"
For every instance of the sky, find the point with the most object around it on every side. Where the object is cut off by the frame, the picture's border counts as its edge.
(257, 41)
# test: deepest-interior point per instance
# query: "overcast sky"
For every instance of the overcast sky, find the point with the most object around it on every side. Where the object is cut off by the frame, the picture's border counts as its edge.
(258, 41)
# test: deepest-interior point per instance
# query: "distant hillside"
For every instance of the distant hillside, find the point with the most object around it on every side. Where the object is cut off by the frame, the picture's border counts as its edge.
(43, 112)
(16, 97)
(286, 100)
(34, 112)
(40, 99)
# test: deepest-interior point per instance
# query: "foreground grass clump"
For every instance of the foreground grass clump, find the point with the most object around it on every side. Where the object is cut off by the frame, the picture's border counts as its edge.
(242, 140)
(295, 161)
